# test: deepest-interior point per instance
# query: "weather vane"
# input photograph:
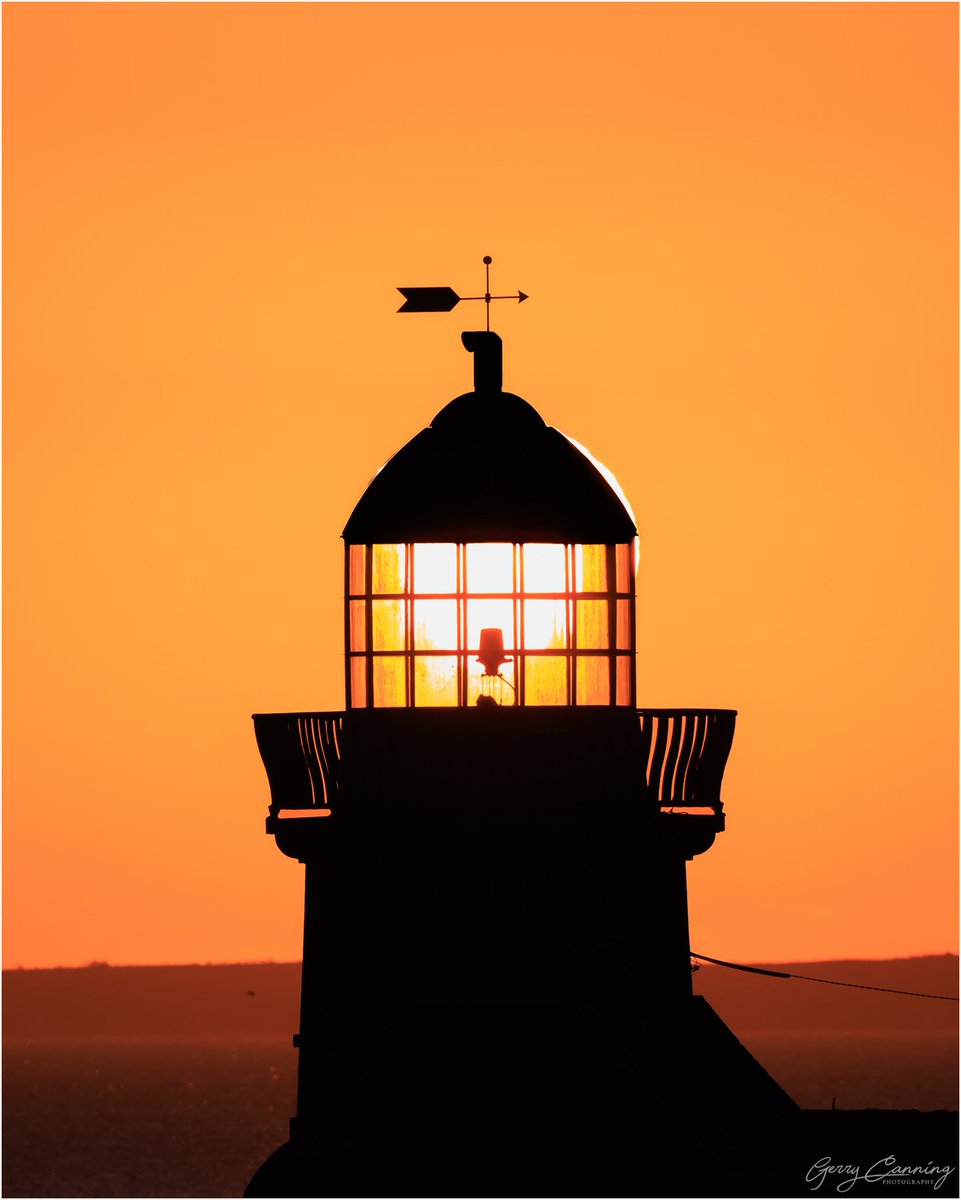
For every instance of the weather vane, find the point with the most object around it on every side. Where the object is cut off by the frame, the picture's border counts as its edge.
(443, 299)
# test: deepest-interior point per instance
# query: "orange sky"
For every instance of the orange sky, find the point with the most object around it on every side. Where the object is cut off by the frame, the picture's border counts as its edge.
(738, 228)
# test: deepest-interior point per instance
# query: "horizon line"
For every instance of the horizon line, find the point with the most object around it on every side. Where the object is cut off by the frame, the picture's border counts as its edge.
(102, 964)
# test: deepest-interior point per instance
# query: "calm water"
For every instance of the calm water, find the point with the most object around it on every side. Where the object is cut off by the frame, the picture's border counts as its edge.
(862, 1070)
(183, 1117)
(143, 1118)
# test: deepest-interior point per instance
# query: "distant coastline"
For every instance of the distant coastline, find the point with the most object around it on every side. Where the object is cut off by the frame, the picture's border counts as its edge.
(262, 999)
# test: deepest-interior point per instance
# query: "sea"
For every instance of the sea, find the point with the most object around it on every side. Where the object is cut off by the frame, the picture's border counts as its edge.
(143, 1117)
(195, 1116)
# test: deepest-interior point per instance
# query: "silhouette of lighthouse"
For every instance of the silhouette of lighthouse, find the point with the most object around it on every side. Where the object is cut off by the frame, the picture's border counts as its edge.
(496, 985)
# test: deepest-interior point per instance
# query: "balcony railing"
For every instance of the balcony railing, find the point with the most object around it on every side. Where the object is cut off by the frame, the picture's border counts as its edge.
(303, 757)
(685, 751)
(682, 753)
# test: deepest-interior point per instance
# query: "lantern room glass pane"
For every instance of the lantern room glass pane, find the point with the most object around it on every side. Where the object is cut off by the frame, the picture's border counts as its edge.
(388, 571)
(435, 568)
(592, 630)
(623, 559)
(500, 690)
(545, 567)
(490, 567)
(388, 623)
(435, 680)
(624, 680)
(489, 614)
(590, 568)
(390, 683)
(545, 680)
(435, 625)
(358, 573)
(358, 625)
(593, 680)
(545, 624)
(415, 616)
(358, 683)
(624, 625)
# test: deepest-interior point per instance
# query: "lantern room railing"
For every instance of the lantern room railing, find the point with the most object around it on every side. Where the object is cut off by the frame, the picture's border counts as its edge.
(302, 754)
(683, 753)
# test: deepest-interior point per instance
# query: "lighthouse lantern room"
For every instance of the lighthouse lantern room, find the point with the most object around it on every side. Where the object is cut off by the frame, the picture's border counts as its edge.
(490, 531)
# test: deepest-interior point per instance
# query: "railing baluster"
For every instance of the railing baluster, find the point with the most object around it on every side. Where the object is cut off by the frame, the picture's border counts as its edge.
(697, 751)
(320, 741)
(678, 794)
(674, 745)
(328, 725)
(647, 736)
(717, 747)
(317, 740)
(654, 776)
(305, 726)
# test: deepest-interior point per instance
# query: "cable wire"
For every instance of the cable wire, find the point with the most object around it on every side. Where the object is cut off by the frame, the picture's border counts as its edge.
(867, 987)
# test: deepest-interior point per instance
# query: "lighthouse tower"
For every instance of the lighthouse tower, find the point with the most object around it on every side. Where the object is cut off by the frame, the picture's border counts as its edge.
(496, 977)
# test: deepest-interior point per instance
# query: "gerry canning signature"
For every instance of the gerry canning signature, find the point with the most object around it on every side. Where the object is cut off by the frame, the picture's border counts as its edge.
(884, 1170)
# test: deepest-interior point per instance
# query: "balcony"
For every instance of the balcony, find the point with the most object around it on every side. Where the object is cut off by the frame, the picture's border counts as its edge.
(655, 766)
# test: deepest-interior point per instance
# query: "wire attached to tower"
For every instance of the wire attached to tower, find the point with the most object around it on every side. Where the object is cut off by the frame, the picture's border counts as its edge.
(867, 987)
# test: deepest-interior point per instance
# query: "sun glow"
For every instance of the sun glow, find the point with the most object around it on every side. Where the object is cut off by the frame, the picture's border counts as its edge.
(612, 480)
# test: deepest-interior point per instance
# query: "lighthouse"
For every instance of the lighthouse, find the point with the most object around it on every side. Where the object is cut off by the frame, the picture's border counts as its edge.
(497, 992)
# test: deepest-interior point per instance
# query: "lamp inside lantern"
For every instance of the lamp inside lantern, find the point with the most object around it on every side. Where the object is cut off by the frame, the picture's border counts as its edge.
(491, 657)
(491, 653)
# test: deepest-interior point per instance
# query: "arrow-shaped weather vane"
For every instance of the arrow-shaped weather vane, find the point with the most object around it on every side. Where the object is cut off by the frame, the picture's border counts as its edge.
(443, 299)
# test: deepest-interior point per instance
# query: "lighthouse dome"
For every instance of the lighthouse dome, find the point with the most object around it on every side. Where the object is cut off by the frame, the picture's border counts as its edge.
(488, 468)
